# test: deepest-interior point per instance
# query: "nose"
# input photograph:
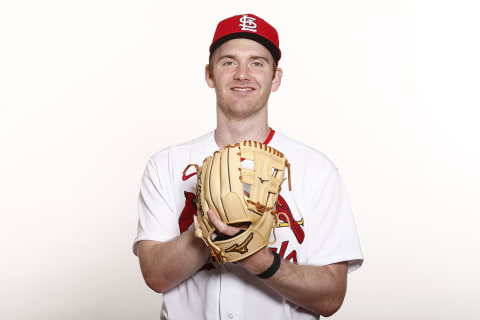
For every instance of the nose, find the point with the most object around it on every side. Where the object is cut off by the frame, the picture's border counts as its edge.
(242, 72)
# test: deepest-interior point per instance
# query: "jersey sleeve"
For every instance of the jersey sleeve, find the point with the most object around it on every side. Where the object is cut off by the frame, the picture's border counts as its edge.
(334, 234)
(156, 210)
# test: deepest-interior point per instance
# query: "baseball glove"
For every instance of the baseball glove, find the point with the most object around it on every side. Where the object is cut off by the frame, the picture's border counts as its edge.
(241, 196)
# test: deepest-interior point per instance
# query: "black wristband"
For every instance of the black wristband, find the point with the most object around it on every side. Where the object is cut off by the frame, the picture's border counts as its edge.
(273, 268)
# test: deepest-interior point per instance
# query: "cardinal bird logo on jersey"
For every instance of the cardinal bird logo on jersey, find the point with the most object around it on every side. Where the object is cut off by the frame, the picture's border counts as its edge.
(282, 207)
(186, 217)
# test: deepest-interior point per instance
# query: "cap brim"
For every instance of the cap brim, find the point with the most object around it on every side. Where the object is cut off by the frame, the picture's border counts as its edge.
(248, 35)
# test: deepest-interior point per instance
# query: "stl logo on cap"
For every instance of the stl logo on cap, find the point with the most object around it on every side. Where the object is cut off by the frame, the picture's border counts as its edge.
(248, 24)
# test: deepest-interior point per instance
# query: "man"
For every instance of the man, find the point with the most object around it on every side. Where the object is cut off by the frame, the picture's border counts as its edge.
(317, 251)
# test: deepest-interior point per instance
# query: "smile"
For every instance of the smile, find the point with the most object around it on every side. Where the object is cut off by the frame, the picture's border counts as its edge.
(242, 89)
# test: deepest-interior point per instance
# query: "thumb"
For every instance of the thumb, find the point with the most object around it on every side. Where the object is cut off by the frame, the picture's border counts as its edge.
(221, 226)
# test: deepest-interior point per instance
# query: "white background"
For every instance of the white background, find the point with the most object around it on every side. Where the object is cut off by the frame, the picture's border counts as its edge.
(389, 90)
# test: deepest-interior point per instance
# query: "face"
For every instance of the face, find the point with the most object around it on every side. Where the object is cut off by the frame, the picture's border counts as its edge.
(243, 75)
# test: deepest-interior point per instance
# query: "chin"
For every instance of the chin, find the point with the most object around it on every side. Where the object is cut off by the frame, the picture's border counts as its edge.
(241, 111)
(240, 108)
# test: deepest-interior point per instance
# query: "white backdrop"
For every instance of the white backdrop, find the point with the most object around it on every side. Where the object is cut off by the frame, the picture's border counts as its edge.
(389, 90)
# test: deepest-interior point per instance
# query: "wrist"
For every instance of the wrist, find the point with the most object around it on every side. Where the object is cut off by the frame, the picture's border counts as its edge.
(259, 262)
(196, 242)
(273, 267)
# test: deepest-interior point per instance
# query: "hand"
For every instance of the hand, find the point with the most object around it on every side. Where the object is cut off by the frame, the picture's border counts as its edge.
(222, 226)
(256, 263)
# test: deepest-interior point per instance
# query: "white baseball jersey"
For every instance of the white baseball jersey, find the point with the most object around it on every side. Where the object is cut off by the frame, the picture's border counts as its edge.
(322, 230)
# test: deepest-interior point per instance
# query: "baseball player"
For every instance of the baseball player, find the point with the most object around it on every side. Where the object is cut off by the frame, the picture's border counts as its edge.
(303, 274)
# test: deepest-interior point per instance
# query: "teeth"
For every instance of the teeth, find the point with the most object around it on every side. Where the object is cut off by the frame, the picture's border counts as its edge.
(242, 89)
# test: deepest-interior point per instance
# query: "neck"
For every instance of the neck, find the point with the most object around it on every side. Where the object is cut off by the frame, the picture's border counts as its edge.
(230, 131)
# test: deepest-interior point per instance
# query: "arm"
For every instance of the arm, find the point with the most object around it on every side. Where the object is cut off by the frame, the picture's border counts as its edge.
(320, 289)
(156, 260)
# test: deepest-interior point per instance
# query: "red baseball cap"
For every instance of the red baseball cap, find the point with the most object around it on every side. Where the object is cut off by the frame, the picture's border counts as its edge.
(247, 26)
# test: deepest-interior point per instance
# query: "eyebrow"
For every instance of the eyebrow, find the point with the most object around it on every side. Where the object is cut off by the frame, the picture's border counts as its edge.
(259, 58)
(226, 56)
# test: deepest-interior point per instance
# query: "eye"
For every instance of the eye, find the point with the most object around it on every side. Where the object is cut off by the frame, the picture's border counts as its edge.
(257, 64)
(227, 63)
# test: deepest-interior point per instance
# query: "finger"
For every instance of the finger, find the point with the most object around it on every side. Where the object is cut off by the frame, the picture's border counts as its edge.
(222, 226)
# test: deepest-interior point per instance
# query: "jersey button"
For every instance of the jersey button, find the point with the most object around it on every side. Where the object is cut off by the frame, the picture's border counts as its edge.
(230, 316)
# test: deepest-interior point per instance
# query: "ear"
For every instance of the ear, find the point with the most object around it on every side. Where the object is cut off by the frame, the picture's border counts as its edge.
(209, 77)
(277, 79)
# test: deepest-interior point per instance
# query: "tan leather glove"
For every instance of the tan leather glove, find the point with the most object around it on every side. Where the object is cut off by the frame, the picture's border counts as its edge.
(241, 196)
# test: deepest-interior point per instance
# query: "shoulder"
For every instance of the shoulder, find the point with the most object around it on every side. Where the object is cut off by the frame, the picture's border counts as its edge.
(182, 150)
